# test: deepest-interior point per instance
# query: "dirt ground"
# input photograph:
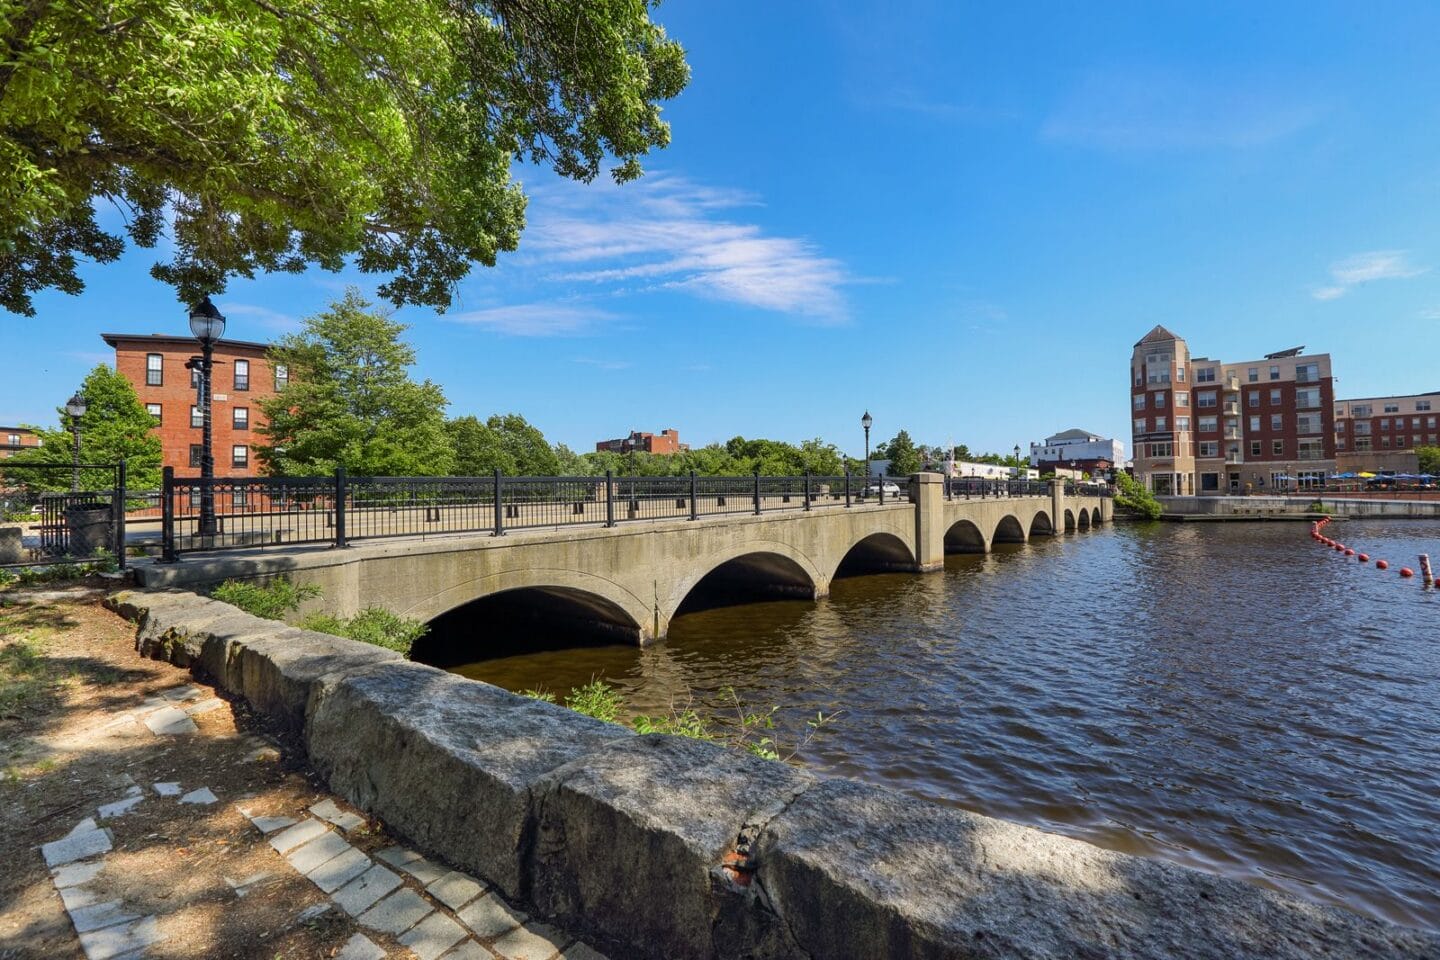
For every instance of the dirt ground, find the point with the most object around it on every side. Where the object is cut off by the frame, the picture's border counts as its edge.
(68, 675)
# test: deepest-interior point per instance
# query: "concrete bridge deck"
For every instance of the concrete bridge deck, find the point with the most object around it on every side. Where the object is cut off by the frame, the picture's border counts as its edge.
(631, 579)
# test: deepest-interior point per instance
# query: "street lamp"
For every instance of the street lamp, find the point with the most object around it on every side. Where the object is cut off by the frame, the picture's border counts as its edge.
(865, 422)
(208, 326)
(76, 407)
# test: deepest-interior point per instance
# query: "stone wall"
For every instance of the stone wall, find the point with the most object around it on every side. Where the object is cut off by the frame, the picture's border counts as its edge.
(661, 847)
(1339, 506)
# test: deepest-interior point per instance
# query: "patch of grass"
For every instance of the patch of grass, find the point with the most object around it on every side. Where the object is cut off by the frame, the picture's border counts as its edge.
(596, 699)
(271, 600)
(374, 625)
(27, 680)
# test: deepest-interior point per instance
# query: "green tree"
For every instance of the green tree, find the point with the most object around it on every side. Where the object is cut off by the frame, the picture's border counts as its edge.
(904, 458)
(265, 135)
(1131, 495)
(524, 446)
(1429, 458)
(115, 425)
(351, 402)
(477, 448)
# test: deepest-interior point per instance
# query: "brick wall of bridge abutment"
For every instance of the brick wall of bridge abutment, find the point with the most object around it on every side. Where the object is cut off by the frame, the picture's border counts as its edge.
(632, 578)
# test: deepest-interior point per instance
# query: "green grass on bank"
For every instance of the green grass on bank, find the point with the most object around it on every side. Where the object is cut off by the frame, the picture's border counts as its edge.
(280, 597)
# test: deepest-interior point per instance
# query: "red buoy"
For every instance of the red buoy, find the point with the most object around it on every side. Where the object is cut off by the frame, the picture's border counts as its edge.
(1363, 558)
(1349, 552)
(1381, 565)
(1339, 547)
(1406, 572)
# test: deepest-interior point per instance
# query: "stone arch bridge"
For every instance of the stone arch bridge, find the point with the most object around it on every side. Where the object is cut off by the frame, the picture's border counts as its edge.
(632, 579)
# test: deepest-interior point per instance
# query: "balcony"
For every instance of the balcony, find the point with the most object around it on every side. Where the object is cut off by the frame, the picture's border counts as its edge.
(1234, 458)
(1232, 384)
(1232, 409)
(1233, 434)
(1301, 377)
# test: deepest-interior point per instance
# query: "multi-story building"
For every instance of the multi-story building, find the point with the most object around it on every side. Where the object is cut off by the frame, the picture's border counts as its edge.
(1381, 433)
(13, 440)
(1076, 450)
(156, 365)
(664, 442)
(1209, 427)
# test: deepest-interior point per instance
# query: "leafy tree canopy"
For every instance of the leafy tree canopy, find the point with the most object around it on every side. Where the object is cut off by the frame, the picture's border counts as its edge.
(351, 402)
(904, 458)
(508, 443)
(115, 426)
(1429, 458)
(267, 135)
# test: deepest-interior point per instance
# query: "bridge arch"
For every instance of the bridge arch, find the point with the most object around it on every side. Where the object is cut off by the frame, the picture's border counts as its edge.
(1009, 530)
(1095, 517)
(1041, 523)
(772, 573)
(965, 537)
(1070, 519)
(876, 553)
(1084, 518)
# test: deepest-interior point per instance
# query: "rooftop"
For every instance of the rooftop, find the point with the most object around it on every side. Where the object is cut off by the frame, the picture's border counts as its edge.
(1158, 335)
(115, 339)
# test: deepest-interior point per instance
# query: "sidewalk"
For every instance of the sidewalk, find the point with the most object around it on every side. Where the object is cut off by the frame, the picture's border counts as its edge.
(143, 815)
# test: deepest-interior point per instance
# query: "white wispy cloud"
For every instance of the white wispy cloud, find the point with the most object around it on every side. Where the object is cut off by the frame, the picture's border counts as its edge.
(262, 316)
(668, 233)
(1144, 109)
(1365, 268)
(556, 319)
(1431, 314)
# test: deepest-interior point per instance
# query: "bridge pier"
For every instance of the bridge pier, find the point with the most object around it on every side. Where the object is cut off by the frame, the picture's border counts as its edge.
(927, 492)
(1057, 507)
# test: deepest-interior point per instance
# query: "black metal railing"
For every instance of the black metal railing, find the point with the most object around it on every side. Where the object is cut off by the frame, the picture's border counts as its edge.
(972, 488)
(40, 526)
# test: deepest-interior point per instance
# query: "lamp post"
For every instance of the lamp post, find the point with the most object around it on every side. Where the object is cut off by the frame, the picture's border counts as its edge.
(865, 422)
(208, 326)
(76, 408)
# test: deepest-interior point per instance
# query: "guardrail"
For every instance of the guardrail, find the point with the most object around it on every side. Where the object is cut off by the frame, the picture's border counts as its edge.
(40, 526)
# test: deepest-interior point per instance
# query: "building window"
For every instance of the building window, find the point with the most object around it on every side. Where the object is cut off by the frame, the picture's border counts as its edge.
(1160, 425)
(1161, 451)
(197, 454)
(1254, 424)
(1385, 440)
(194, 378)
(1139, 401)
(197, 419)
(1414, 423)
(1308, 423)
(1277, 422)
(1274, 373)
(1361, 428)
(1360, 410)
(240, 455)
(14, 440)
(1274, 398)
(1254, 448)
(1422, 405)
(240, 418)
(1209, 448)
(1362, 444)
(1307, 373)
(242, 374)
(1400, 440)
(1182, 424)
(1385, 424)
(1277, 448)
(1209, 424)
(239, 497)
(1253, 373)
(1392, 408)
(282, 376)
(154, 370)
(1253, 399)
(1159, 399)
(1429, 423)
(155, 411)
(1140, 425)
(1307, 398)
(1182, 399)
(1180, 374)
(1205, 375)
(1205, 398)
(1339, 443)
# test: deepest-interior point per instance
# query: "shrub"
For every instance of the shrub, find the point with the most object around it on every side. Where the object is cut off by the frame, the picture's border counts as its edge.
(271, 600)
(596, 699)
(1135, 498)
(374, 625)
(1315, 507)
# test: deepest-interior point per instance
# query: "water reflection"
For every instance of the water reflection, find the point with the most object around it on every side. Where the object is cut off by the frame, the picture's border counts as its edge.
(1226, 696)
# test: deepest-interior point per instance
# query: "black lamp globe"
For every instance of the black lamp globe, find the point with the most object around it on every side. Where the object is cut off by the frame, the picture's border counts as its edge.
(76, 406)
(206, 322)
(867, 420)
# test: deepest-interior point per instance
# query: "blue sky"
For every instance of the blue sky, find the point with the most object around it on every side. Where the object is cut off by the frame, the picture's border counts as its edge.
(959, 216)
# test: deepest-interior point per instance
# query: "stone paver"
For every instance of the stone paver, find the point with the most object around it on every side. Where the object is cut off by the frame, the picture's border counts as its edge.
(317, 852)
(582, 951)
(271, 824)
(97, 916)
(74, 897)
(489, 917)
(397, 856)
(186, 691)
(76, 873)
(117, 807)
(202, 796)
(167, 789)
(469, 950)
(242, 887)
(455, 889)
(360, 894)
(204, 706)
(170, 721)
(76, 846)
(426, 871)
(432, 936)
(360, 947)
(335, 873)
(398, 912)
(112, 942)
(534, 941)
(287, 840)
(328, 810)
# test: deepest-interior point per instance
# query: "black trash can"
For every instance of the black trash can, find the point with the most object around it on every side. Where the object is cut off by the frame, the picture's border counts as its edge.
(92, 526)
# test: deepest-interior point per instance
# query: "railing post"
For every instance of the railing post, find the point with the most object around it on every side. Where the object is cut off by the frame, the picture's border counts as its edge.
(499, 506)
(167, 515)
(694, 505)
(609, 498)
(120, 484)
(881, 484)
(807, 489)
(757, 493)
(847, 486)
(340, 492)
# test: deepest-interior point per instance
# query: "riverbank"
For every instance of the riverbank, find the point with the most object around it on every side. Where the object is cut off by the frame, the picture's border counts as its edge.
(142, 809)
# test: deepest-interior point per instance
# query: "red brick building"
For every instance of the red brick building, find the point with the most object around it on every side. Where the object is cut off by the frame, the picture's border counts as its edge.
(155, 365)
(664, 442)
(1381, 433)
(15, 439)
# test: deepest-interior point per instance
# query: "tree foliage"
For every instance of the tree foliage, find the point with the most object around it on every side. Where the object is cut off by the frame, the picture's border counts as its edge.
(904, 458)
(508, 443)
(115, 426)
(1429, 460)
(1134, 497)
(351, 402)
(265, 135)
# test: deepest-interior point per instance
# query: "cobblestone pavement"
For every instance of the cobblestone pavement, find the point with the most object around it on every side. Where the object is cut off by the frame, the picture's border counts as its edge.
(193, 837)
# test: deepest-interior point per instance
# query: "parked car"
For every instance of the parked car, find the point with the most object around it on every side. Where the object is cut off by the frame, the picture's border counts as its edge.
(876, 486)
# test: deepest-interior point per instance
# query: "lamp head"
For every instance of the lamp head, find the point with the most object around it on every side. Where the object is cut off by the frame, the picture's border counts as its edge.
(206, 322)
(76, 406)
(866, 420)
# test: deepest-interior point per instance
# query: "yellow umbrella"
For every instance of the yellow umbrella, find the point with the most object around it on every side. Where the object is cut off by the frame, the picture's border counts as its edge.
(1365, 473)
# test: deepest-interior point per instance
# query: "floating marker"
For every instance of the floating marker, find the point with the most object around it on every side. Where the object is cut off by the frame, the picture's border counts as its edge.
(1349, 552)
(1363, 558)
(1381, 565)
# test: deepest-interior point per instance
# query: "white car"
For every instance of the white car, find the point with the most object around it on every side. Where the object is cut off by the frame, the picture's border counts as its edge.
(887, 486)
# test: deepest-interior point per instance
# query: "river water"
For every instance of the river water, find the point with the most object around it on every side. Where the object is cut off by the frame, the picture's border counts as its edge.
(1229, 696)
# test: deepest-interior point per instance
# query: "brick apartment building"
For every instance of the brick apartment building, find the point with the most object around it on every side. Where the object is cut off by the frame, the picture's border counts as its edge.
(665, 442)
(1207, 427)
(155, 365)
(1381, 433)
(15, 439)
